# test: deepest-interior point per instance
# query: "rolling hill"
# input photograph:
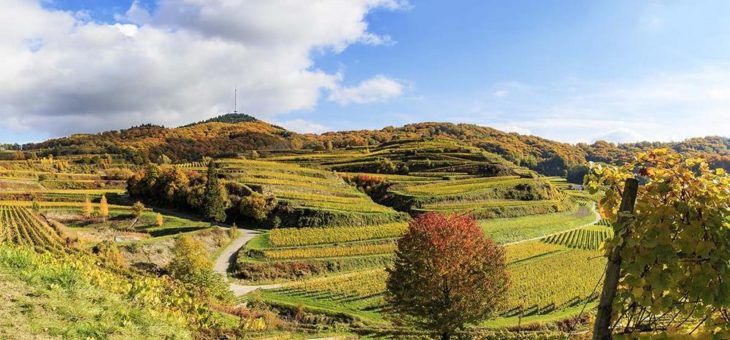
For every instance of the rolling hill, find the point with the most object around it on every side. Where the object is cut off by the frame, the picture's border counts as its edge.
(234, 134)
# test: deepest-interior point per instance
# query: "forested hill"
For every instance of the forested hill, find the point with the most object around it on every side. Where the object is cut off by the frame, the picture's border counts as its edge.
(233, 134)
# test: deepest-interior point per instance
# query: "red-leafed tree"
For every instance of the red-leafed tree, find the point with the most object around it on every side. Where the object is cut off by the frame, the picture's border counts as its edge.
(446, 274)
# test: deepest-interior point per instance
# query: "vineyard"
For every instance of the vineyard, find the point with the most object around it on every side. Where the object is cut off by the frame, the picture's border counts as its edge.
(334, 238)
(584, 238)
(19, 226)
(528, 250)
(284, 237)
(566, 278)
(316, 198)
(329, 251)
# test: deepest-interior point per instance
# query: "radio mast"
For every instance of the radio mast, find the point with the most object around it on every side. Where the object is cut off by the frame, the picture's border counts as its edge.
(235, 100)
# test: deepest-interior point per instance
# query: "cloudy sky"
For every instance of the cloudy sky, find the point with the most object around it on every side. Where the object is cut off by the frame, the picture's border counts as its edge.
(566, 70)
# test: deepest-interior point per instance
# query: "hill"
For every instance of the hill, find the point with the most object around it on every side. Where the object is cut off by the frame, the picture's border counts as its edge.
(235, 134)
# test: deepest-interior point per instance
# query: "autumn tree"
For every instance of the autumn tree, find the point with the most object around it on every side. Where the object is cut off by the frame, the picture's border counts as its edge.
(257, 206)
(103, 207)
(87, 209)
(215, 197)
(446, 274)
(674, 250)
(159, 220)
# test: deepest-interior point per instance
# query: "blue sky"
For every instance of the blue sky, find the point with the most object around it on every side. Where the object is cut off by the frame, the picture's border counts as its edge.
(566, 70)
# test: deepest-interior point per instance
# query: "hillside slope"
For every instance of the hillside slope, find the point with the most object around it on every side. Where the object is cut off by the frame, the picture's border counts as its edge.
(233, 134)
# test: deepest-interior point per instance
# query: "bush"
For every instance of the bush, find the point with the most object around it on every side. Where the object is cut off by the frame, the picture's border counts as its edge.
(191, 265)
(257, 206)
(137, 209)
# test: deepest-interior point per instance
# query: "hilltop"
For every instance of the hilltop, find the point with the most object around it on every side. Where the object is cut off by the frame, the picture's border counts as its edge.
(235, 134)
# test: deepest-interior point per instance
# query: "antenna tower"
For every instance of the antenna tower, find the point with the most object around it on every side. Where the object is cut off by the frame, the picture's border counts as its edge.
(235, 100)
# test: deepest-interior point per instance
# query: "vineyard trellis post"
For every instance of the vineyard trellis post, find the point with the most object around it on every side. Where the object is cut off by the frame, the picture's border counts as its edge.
(602, 328)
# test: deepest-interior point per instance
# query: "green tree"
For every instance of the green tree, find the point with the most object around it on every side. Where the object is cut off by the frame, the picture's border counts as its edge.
(446, 274)
(191, 265)
(137, 209)
(215, 197)
(163, 159)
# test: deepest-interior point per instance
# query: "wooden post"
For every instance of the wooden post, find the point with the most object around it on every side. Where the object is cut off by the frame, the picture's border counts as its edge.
(602, 328)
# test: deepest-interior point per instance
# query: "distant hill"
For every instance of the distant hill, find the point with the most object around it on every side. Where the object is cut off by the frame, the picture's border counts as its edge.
(230, 118)
(233, 134)
(221, 136)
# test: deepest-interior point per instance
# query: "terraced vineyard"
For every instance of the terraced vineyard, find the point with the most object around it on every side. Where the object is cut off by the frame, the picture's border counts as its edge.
(318, 198)
(284, 237)
(334, 240)
(329, 251)
(584, 238)
(19, 226)
(304, 252)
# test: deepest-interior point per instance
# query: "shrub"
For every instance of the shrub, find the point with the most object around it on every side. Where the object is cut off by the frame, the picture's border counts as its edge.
(159, 220)
(191, 265)
(257, 206)
(137, 209)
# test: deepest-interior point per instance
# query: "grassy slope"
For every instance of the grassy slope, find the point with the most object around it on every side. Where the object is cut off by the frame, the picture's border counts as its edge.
(39, 301)
(520, 228)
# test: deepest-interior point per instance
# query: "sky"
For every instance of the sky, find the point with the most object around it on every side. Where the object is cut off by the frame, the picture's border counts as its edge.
(573, 71)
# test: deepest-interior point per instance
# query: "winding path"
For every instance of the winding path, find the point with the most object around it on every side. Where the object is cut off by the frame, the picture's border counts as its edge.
(228, 257)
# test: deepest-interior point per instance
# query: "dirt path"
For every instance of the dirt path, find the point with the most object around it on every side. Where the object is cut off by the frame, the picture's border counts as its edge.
(595, 220)
(228, 257)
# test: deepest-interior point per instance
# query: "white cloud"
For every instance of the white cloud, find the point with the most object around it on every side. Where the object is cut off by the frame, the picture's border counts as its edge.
(62, 72)
(513, 128)
(666, 106)
(622, 135)
(303, 126)
(377, 89)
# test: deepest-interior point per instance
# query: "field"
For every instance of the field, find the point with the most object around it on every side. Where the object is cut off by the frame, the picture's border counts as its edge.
(526, 227)
(353, 280)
